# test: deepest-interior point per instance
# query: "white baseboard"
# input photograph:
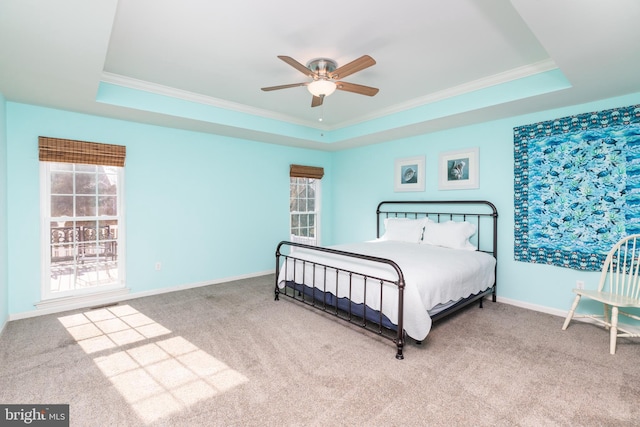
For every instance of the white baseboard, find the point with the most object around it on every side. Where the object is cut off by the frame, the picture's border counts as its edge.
(561, 313)
(66, 303)
(534, 307)
(111, 298)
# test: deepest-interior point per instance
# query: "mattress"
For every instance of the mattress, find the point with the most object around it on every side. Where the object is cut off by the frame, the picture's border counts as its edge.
(433, 276)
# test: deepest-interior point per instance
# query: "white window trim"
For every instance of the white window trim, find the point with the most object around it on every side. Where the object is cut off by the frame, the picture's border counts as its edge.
(318, 205)
(77, 294)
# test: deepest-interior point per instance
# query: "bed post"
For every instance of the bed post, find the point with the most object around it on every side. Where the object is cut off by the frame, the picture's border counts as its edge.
(495, 249)
(378, 220)
(277, 290)
(400, 337)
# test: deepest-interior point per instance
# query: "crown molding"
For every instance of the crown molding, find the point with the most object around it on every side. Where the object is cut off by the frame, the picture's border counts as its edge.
(136, 84)
(493, 80)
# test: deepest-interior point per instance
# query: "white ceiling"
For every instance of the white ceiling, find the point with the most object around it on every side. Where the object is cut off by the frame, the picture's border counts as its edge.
(215, 56)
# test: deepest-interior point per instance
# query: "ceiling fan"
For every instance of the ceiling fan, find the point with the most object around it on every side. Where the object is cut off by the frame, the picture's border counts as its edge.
(327, 77)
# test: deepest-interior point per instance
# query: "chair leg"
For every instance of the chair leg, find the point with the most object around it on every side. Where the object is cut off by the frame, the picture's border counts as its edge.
(614, 330)
(607, 316)
(570, 314)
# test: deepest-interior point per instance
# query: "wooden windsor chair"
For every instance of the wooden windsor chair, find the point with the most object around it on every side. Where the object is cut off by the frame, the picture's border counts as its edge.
(619, 287)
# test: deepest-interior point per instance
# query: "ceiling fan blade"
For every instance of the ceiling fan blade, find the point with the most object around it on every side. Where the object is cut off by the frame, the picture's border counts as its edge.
(361, 63)
(359, 89)
(298, 66)
(266, 89)
(317, 101)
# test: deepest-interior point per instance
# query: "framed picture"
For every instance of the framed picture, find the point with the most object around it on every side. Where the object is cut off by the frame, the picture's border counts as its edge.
(409, 174)
(458, 169)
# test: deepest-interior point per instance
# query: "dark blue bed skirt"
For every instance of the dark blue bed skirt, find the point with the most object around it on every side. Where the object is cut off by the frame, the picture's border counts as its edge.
(329, 302)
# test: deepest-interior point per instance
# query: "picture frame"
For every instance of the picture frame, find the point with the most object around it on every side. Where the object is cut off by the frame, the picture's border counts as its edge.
(409, 174)
(459, 170)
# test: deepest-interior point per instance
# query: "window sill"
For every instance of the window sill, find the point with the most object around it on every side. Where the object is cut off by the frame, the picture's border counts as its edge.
(82, 301)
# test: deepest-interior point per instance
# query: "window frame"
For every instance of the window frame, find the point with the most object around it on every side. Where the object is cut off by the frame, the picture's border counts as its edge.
(46, 293)
(316, 241)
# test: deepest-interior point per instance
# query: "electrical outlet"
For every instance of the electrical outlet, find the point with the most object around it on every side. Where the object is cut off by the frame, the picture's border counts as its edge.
(579, 284)
(158, 266)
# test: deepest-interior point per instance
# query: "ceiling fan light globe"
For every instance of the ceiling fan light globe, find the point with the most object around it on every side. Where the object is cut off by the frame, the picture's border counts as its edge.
(321, 87)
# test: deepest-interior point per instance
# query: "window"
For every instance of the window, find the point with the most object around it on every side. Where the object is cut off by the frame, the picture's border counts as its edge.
(304, 210)
(82, 226)
(304, 203)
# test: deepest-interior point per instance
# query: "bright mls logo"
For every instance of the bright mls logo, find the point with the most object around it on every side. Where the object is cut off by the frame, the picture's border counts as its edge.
(35, 415)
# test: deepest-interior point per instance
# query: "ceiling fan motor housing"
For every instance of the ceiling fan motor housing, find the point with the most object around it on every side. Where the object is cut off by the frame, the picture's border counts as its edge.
(322, 67)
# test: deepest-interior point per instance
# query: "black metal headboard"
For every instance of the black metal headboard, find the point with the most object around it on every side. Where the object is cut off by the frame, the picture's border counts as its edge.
(479, 212)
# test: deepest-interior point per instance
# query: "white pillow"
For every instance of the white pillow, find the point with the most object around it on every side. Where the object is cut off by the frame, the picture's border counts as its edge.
(450, 234)
(404, 229)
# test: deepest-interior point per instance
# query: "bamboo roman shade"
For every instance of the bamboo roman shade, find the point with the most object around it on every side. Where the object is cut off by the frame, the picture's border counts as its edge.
(300, 171)
(70, 151)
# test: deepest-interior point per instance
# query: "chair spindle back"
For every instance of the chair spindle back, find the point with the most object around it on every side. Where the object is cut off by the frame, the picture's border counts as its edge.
(621, 270)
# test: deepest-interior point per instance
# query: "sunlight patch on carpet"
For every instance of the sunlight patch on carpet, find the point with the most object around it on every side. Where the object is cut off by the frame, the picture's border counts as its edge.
(156, 373)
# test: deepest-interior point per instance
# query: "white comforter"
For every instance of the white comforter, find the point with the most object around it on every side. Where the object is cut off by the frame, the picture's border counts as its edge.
(433, 275)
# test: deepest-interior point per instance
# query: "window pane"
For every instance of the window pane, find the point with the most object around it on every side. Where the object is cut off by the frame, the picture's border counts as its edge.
(88, 250)
(85, 183)
(61, 183)
(107, 237)
(88, 231)
(107, 272)
(108, 230)
(63, 253)
(107, 205)
(61, 206)
(85, 205)
(63, 242)
(63, 233)
(103, 233)
(107, 184)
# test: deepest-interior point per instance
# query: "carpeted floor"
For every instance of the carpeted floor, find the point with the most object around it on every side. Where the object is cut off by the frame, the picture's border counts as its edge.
(228, 355)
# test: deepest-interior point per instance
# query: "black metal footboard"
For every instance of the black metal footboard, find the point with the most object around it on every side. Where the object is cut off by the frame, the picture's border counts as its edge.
(308, 283)
(310, 286)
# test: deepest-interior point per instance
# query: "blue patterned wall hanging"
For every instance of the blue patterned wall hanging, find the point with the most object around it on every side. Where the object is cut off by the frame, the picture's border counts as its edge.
(576, 187)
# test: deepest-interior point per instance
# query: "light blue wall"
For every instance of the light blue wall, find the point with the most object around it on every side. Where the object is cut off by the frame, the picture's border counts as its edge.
(206, 207)
(4, 284)
(211, 207)
(366, 178)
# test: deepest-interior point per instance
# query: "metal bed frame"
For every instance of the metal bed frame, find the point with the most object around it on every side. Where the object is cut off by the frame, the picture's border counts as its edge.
(479, 212)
